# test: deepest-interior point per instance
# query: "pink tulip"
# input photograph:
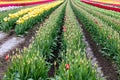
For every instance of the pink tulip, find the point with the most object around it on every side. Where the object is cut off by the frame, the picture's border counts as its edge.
(7, 57)
(67, 66)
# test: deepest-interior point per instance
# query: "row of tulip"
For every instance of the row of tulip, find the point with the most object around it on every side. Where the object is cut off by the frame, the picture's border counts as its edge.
(22, 12)
(74, 65)
(110, 21)
(22, 3)
(102, 34)
(30, 64)
(15, 1)
(27, 18)
(2, 16)
(101, 5)
(107, 12)
(108, 2)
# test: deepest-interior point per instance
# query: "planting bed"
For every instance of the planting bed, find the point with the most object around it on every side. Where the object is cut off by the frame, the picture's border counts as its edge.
(101, 5)
(23, 3)
(108, 2)
(61, 40)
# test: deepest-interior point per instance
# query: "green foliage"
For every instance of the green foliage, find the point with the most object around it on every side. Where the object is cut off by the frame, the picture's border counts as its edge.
(30, 64)
(74, 56)
(104, 35)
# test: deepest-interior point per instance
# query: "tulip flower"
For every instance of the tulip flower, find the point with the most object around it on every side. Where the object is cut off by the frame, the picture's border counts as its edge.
(67, 66)
(7, 57)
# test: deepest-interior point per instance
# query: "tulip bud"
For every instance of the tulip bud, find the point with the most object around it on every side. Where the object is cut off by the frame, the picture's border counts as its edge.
(67, 66)
(7, 57)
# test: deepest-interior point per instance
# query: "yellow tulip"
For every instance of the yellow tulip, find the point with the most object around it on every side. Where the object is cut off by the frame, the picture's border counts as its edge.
(5, 19)
(35, 11)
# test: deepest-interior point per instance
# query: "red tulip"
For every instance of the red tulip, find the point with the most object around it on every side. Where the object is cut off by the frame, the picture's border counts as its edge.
(7, 57)
(67, 66)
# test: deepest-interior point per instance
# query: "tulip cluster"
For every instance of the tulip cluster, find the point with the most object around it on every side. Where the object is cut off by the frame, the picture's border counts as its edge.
(36, 11)
(30, 11)
(18, 14)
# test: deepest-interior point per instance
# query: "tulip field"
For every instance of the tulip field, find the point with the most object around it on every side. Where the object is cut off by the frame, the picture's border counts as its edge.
(108, 1)
(59, 40)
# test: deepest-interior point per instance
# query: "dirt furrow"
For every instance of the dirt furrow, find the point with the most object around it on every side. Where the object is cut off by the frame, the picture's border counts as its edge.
(56, 50)
(2, 36)
(6, 36)
(10, 44)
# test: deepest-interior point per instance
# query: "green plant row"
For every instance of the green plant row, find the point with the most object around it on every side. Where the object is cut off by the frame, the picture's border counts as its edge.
(74, 65)
(110, 21)
(104, 36)
(30, 64)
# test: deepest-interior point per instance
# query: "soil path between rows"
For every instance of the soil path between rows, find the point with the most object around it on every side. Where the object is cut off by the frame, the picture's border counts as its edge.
(56, 50)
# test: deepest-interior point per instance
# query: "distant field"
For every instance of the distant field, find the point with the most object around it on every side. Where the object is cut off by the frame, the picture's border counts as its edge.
(17, 1)
(20, 0)
(109, 1)
(6, 3)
